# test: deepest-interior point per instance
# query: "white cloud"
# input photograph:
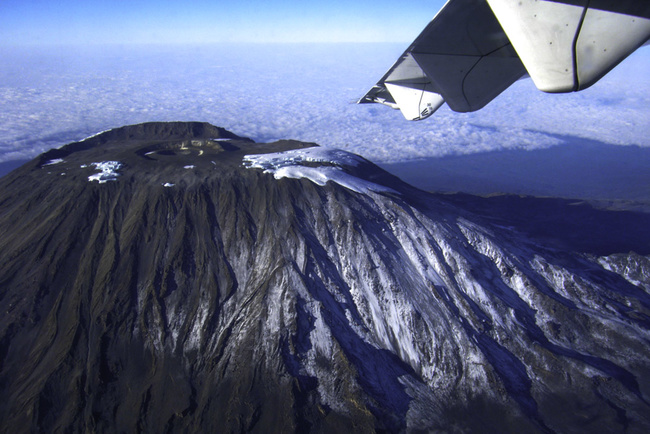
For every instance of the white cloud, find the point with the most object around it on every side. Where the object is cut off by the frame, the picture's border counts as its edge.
(303, 92)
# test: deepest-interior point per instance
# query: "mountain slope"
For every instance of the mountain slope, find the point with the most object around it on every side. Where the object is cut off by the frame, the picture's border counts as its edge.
(194, 284)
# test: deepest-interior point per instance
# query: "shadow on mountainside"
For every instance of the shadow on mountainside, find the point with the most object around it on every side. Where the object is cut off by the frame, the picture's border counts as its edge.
(581, 169)
(562, 223)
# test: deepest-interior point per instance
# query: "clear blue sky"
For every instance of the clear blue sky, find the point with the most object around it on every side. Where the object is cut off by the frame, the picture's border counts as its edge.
(45, 22)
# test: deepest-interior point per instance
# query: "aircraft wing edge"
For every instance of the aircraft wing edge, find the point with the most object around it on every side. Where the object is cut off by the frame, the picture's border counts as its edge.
(563, 45)
(569, 46)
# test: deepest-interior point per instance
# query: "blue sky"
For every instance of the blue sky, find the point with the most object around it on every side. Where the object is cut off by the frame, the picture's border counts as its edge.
(46, 22)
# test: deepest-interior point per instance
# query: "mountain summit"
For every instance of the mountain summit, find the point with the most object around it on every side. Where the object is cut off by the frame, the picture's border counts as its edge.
(176, 277)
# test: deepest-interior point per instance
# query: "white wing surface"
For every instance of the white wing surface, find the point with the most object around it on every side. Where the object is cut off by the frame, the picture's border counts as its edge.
(474, 49)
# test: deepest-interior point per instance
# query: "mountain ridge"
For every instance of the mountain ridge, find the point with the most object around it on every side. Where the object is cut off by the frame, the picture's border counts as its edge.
(226, 297)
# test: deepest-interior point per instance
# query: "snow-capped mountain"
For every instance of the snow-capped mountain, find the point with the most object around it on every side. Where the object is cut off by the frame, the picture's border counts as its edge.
(176, 277)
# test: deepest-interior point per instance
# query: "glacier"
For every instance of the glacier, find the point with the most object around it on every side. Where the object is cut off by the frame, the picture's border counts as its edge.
(299, 163)
(108, 171)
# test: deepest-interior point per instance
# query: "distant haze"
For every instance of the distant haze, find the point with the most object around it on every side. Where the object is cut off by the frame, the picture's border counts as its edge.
(70, 70)
(52, 96)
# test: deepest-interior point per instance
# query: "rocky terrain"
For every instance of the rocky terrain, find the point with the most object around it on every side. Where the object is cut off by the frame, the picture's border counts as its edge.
(174, 277)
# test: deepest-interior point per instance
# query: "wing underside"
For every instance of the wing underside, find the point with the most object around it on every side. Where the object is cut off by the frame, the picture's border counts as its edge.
(475, 49)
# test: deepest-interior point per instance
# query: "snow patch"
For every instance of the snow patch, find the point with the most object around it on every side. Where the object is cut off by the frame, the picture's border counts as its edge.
(190, 166)
(95, 135)
(53, 162)
(108, 171)
(304, 163)
(168, 184)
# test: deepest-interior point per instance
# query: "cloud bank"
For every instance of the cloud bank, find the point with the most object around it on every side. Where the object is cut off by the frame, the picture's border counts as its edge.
(298, 91)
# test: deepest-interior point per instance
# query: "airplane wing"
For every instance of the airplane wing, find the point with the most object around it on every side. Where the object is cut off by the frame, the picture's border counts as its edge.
(473, 50)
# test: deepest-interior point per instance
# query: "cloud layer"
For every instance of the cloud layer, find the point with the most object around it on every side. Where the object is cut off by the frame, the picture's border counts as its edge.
(304, 92)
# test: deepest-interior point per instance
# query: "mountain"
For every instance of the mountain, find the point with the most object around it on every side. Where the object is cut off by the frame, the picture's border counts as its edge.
(174, 277)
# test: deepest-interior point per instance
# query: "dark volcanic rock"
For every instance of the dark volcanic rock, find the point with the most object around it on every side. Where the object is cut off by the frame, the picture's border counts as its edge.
(190, 293)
